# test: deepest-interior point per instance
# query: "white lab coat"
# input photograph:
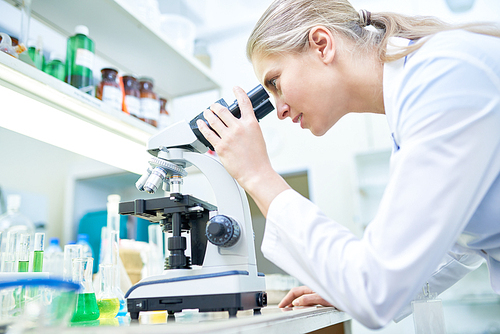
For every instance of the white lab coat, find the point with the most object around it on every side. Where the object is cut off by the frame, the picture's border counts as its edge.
(440, 213)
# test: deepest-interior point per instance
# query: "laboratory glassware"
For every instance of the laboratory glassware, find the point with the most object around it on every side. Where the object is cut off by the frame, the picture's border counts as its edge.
(38, 252)
(24, 253)
(80, 60)
(86, 308)
(9, 257)
(107, 301)
(71, 252)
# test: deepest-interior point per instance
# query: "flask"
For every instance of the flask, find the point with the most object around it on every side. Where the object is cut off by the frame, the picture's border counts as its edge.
(109, 90)
(55, 66)
(86, 308)
(13, 219)
(80, 60)
(107, 301)
(83, 240)
(35, 51)
(150, 105)
(131, 98)
(164, 119)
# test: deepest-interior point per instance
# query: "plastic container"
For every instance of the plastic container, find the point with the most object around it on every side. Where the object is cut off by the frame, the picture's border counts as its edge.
(109, 90)
(80, 60)
(83, 240)
(53, 256)
(55, 67)
(164, 119)
(6, 45)
(150, 105)
(52, 306)
(131, 96)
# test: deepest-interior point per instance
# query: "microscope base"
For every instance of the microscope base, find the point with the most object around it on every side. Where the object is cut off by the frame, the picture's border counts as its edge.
(231, 302)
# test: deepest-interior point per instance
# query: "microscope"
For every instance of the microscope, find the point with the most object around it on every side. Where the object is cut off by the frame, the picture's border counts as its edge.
(221, 273)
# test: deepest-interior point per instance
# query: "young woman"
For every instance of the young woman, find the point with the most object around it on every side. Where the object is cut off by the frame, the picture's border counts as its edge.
(439, 86)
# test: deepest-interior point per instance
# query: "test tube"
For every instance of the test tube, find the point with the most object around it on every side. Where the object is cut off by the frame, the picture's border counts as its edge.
(38, 252)
(71, 252)
(24, 253)
(9, 257)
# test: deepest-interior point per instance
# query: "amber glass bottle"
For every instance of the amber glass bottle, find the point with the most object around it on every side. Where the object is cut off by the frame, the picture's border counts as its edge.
(132, 96)
(109, 90)
(150, 105)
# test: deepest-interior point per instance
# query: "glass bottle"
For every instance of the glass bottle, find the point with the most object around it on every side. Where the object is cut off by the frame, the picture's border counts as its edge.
(86, 308)
(132, 95)
(107, 301)
(13, 219)
(35, 51)
(150, 105)
(55, 66)
(164, 119)
(80, 60)
(109, 90)
(38, 252)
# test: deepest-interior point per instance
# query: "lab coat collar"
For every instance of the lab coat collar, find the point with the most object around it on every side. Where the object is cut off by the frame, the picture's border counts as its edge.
(393, 73)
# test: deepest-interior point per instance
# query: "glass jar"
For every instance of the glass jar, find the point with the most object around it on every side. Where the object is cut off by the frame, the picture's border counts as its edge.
(109, 90)
(150, 105)
(164, 119)
(131, 101)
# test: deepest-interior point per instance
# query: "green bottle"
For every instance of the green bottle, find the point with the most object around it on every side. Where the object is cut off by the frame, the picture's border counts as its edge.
(56, 67)
(35, 51)
(80, 60)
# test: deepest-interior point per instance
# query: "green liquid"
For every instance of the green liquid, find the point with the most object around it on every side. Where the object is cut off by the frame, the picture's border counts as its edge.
(23, 266)
(38, 261)
(108, 308)
(86, 308)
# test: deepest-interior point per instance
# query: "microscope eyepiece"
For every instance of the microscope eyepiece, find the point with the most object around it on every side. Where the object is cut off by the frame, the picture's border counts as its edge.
(260, 103)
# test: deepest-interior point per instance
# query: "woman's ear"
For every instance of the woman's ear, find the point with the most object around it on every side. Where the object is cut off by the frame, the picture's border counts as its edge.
(322, 43)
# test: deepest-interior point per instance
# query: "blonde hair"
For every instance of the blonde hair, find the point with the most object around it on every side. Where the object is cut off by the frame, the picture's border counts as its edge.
(285, 25)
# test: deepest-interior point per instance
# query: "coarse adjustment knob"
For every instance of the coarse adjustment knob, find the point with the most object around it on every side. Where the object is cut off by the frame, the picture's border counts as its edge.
(223, 231)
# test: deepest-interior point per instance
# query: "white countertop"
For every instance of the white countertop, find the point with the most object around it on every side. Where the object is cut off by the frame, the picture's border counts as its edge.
(272, 320)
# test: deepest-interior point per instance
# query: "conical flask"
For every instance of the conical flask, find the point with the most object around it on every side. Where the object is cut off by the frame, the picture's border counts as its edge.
(86, 308)
(107, 301)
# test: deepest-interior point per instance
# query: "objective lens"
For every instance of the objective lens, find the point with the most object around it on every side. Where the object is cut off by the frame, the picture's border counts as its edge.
(158, 175)
(142, 180)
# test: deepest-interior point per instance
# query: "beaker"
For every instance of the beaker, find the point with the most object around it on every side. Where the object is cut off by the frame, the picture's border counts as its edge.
(107, 301)
(86, 308)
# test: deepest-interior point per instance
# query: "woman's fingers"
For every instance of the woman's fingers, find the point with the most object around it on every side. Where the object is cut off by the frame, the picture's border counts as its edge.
(302, 296)
(244, 102)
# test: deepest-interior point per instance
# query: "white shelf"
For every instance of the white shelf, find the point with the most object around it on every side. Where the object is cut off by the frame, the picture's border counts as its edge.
(42, 107)
(134, 46)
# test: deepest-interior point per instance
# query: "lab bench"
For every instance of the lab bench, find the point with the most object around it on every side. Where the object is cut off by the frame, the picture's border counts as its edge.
(271, 320)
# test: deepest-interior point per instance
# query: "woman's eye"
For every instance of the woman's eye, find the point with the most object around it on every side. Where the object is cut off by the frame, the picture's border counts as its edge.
(273, 83)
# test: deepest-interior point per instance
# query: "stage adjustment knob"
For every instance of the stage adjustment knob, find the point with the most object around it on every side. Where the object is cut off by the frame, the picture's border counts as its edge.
(223, 231)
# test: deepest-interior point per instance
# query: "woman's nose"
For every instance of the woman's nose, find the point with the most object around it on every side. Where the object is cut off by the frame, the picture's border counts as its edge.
(283, 110)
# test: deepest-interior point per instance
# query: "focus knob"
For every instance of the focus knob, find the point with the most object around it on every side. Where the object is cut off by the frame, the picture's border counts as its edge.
(223, 231)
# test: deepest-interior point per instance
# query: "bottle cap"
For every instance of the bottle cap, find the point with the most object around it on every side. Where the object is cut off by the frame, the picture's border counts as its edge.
(114, 198)
(13, 202)
(54, 55)
(83, 30)
(148, 79)
(83, 237)
(54, 241)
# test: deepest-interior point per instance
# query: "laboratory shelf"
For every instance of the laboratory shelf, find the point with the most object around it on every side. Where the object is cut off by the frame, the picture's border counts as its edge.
(132, 45)
(40, 106)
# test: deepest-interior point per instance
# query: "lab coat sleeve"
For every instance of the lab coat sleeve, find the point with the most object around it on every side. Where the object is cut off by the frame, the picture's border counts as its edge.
(448, 158)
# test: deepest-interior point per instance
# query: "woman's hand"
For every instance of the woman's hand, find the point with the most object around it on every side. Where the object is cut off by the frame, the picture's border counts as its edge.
(302, 296)
(240, 145)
